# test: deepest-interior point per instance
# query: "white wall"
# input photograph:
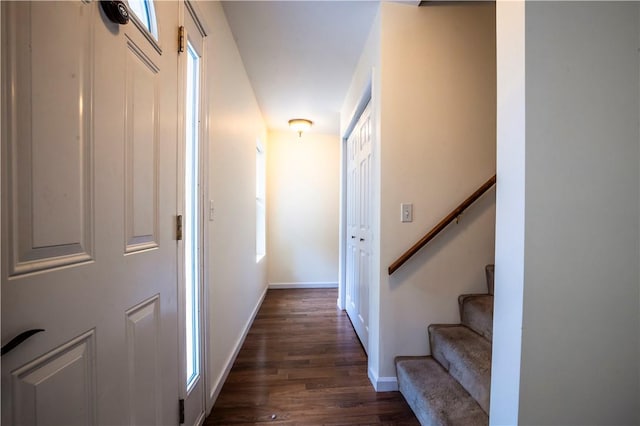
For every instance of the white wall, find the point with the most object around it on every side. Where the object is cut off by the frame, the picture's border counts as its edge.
(236, 284)
(510, 204)
(577, 266)
(303, 193)
(437, 147)
(580, 315)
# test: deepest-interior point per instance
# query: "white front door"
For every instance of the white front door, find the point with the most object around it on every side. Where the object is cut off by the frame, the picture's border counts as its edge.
(359, 232)
(191, 202)
(89, 142)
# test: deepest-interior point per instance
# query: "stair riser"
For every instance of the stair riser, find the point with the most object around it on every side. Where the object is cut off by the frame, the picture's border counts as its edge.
(476, 312)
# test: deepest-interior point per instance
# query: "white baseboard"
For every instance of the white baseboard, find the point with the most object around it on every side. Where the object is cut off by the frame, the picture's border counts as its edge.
(303, 285)
(217, 386)
(383, 384)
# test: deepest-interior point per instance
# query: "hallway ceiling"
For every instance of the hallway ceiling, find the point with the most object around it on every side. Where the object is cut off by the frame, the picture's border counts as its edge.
(300, 55)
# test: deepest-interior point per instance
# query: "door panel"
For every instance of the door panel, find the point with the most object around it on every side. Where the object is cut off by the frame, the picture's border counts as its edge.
(88, 208)
(365, 234)
(352, 212)
(358, 262)
(141, 153)
(143, 366)
(48, 231)
(352, 224)
(68, 370)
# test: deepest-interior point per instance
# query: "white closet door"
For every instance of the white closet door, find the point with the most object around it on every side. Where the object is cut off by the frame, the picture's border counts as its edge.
(359, 232)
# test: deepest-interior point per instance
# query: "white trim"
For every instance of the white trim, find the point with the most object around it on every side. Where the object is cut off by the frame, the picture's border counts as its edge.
(342, 228)
(205, 197)
(203, 179)
(383, 384)
(217, 386)
(303, 285)
(365, 100)
(196, 14)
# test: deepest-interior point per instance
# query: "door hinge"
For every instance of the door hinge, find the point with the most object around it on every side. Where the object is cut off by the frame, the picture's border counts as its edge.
(181, 410)
(179, 227)
(181, 37)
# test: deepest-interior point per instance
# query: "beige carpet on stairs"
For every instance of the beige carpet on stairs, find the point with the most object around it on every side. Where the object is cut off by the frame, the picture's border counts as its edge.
(452, 387)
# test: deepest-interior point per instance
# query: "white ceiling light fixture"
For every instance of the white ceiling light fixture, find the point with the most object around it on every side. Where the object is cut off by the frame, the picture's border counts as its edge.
(300, 125)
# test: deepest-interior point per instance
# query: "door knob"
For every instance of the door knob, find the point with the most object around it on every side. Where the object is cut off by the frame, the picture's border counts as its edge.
(116, 11)
(16, 341)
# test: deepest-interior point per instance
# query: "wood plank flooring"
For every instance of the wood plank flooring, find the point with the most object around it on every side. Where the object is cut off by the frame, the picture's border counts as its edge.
(302, 362)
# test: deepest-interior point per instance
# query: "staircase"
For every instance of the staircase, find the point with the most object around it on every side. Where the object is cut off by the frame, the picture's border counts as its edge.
(452, 386)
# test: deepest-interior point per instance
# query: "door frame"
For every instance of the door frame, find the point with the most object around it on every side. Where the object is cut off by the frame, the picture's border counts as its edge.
(203, 150)
(365, 99)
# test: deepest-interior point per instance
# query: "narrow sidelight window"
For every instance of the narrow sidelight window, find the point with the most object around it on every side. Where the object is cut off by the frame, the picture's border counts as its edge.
(192, 217)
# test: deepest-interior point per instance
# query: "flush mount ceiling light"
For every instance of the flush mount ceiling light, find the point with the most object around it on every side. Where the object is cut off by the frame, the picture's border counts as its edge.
(300, 125)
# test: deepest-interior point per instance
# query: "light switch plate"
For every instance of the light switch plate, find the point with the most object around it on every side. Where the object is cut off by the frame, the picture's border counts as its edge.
(406, 212)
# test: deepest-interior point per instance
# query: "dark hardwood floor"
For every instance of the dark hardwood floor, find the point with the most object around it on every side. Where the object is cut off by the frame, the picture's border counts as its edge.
(302, 362)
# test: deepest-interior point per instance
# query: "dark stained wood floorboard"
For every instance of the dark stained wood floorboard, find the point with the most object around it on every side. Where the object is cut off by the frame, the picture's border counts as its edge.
(303, 362)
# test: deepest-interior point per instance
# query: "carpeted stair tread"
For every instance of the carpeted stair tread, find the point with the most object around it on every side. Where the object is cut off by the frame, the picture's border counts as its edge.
(435, 397)
(476, 312)
(466, 356)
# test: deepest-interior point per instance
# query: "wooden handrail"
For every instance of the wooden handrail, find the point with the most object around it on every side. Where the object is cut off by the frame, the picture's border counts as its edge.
(440, 226)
